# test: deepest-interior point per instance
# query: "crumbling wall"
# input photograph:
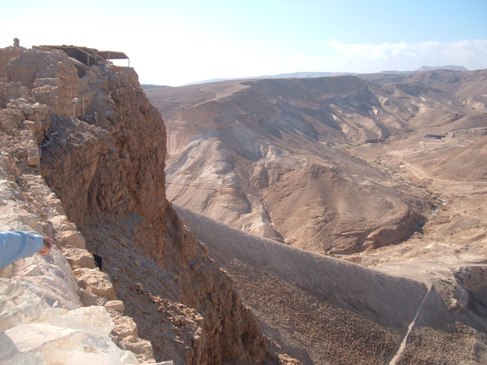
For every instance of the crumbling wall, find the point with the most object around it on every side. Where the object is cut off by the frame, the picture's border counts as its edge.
(51, 79)
(10, 90)
(7, 55)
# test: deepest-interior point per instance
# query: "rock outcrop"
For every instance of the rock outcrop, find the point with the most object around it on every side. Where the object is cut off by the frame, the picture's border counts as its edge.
(101, 147)
(48, 310)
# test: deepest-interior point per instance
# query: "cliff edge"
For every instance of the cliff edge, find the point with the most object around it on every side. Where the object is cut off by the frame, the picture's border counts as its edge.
(100, 146)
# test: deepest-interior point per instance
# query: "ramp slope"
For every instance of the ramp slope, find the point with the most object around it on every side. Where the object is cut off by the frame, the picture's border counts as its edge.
(325, 311)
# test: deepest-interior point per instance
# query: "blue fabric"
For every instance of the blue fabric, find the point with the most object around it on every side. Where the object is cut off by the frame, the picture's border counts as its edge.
(15, 245)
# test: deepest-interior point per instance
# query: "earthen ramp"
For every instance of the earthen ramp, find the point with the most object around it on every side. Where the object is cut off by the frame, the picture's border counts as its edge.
(325, 311)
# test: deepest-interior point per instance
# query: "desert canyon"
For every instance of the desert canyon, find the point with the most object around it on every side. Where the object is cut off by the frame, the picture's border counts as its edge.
(385, 170)
(330, 220)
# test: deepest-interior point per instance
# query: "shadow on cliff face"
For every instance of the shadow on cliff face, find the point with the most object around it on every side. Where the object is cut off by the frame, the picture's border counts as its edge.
(473, 280)
(108, 172)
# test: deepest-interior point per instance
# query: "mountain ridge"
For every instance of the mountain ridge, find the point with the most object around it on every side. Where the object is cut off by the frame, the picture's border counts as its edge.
(243, 143)
(312, 74)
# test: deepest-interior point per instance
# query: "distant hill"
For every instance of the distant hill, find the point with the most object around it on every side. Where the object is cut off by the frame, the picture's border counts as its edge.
(271, 156)
(305, 75)
(447, 67)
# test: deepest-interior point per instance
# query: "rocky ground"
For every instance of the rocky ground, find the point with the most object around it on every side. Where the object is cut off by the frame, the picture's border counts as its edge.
(59, 306)
(322, 310)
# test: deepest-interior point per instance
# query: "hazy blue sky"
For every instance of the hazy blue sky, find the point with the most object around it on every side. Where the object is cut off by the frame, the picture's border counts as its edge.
(176, 42)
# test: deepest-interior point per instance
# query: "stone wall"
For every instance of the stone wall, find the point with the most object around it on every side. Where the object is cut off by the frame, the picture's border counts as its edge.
(51, 77)
(10, 91)
(7, 55)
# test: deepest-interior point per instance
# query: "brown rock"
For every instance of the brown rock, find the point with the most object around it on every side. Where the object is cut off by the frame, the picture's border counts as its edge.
(61, 223)
(109, 174)
(124, 326)
(115, 305)
(88, 298)
(72, 238)
(96, 282)
(78, 257)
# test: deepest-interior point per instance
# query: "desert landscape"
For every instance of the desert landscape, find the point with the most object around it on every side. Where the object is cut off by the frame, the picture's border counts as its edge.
(329, 220)
(385, 170)
(283, 158)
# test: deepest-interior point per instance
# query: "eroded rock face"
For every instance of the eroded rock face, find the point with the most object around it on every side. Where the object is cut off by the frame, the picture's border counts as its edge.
(105, 161)
(6, 55)
(473, 280)
(48, 313)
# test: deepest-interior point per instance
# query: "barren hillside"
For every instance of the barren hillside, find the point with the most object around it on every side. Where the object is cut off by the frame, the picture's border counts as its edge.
(326, 311)
(273, 157)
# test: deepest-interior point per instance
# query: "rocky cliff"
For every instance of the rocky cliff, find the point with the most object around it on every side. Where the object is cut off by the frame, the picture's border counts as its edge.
(45, 303)
(100, 146)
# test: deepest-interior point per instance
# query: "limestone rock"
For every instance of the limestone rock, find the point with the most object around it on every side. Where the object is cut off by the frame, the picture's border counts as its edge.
(96, 282)
(88, 298)
(61, 223)
(41, 318)
(94, 319)
(38, 284)
(115, 305)
(51, 344)
(72, 238)
(78, 257)
(19, 303)
(142, 348)
(124, 326)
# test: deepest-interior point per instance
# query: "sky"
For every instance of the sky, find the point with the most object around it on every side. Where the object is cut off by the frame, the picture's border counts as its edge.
(176, 42)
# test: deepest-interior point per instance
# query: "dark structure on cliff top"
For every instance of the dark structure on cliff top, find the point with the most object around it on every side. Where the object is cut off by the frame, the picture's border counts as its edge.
(90, 56)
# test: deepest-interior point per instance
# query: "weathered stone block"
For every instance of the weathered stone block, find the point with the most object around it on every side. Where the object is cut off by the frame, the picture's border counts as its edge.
(72, 238)
(115, 305)
(78, 257)
(96, 282)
